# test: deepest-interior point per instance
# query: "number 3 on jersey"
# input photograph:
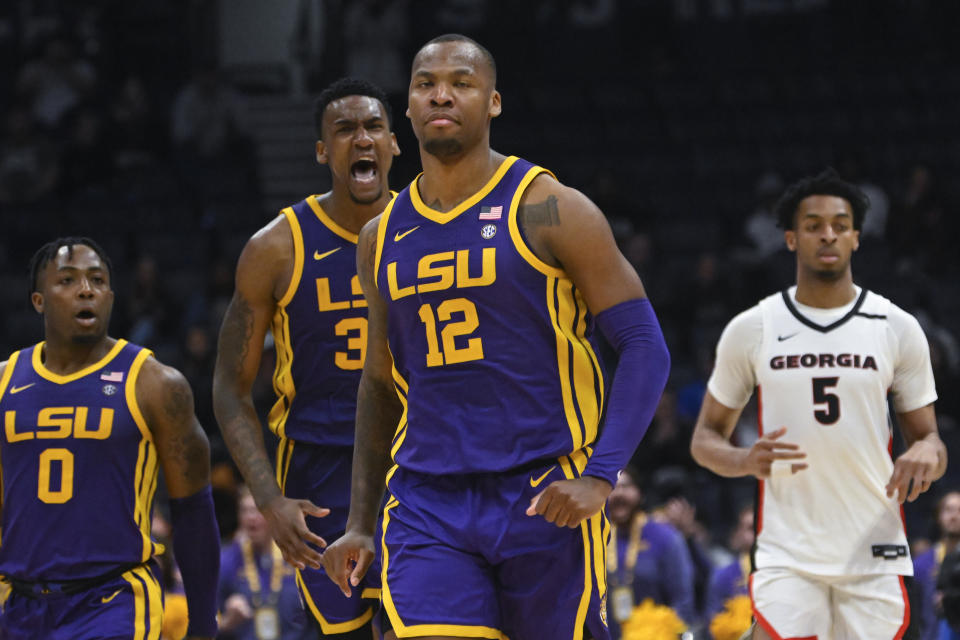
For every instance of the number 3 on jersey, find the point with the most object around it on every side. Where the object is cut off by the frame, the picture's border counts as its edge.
(355, 330)
(451, 353)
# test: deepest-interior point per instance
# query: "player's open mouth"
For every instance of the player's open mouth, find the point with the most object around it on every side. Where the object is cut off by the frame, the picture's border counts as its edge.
(86, 317)
(364, 171)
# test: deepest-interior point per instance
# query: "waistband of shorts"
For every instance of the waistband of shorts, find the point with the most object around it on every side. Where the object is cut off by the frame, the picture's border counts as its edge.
(41, 589)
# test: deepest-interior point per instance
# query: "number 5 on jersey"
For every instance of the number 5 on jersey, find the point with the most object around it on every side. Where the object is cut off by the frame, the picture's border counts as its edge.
(831, 412)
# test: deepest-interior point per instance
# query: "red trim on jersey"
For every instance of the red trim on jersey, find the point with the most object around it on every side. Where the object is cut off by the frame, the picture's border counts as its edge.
(765, 624)
(758, 525)
(906, 609)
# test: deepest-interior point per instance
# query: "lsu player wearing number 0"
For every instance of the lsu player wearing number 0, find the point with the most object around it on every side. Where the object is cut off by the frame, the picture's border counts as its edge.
(87, 422)
(824, 356)
(298, 278)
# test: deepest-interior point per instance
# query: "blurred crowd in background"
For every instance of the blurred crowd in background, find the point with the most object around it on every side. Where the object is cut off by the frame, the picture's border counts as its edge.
(682, 119)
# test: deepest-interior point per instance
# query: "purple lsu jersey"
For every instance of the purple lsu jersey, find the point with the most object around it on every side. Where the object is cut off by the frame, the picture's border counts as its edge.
(492, 350)
(79, 467)
(320, 332)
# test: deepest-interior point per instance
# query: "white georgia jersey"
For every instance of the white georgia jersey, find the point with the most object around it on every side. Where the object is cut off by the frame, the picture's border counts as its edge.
(825, 374)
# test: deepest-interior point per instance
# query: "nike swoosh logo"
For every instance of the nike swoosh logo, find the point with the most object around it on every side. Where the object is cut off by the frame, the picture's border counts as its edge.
(19, 389)
(401, 236)
(107, 599)
(782, 338)
(320, 256)
(535, 483)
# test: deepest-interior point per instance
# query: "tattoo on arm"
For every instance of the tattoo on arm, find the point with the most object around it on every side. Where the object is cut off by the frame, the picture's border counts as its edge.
(186, 446)
(235, 335)
(238, 419)
(545, 214)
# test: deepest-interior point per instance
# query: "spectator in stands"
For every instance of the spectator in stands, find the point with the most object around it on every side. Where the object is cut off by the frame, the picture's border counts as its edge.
(732, 580)
(209, 118)
(926, 566)
(28, 160)
(258, 592)
(646, 558)
(57, 81)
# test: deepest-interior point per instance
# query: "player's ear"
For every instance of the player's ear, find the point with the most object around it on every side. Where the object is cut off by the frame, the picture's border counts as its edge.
(321, 150)
(790, 237)
(36, 298)
(856, 240)
(496, 106)
(394, 147)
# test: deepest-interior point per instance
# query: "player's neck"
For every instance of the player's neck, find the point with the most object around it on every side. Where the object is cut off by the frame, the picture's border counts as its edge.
(348, 213)
(446, 182)
(815, 291)
(63, 356)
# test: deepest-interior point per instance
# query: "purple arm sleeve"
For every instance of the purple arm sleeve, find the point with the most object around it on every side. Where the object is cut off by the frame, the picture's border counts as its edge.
(196, 547)
(632, 329)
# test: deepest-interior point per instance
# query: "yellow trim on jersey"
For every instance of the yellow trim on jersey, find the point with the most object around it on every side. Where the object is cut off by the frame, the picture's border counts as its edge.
(381, 238)
(441, 217)
(146, 592)
(329, 222)
(298, 254)
(331, 627)
(518, 242)
(370, 593)
(418, 630)
(145, 476)
(284, 457)
(587, 529)
(283, 384)
(401, 387)
(8, 372)
(586, 384)
(45, 373)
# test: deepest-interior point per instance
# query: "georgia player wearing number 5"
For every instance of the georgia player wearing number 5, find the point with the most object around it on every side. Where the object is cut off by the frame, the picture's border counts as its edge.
(823, 356)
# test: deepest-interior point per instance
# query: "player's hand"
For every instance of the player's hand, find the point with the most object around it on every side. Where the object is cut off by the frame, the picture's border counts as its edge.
(760, 457)
(346, 561)
(567, 503)
(912, 472)
(288, 527)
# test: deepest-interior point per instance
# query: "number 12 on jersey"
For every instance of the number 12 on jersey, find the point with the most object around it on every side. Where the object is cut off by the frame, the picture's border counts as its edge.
(467, 323)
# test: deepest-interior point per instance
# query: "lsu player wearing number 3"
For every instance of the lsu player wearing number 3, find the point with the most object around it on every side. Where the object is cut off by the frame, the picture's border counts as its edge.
(87, 419)
(298, 277)
(831, 547)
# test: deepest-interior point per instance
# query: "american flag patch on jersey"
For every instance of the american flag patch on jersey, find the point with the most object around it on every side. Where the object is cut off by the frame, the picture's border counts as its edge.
(112, 376)
(491, 213)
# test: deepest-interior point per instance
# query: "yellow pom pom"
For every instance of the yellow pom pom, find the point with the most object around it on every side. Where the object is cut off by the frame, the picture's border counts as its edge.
(174, 616)
(736, 617)
(651, 621)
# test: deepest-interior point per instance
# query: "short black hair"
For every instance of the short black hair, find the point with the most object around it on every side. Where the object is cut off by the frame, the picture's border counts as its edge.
(459, 37)
(48, 252)
(827, 183)
(348, 87)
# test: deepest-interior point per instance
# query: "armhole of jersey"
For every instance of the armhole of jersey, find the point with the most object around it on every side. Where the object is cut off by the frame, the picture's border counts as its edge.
(381, 235)
(8, 372)
(518, 241)
(297, 234)
(131, 393)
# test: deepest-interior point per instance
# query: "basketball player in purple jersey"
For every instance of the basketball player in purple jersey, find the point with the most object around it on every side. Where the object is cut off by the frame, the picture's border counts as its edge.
(88, 419)
(485, 279)
(297, 277)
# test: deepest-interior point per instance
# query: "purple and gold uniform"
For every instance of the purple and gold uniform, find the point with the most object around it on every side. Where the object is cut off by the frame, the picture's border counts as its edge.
(502, 392)
(79, 474)
(320, 332)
